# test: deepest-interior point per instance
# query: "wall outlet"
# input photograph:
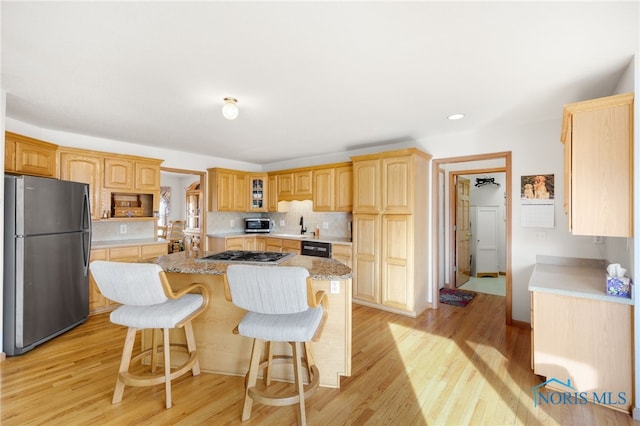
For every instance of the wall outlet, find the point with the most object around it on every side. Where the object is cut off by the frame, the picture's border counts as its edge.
(598, 240)
(123, 229)
(335, 287)
(282, 223)
(541, 235)
(325, 225)
(232, 223)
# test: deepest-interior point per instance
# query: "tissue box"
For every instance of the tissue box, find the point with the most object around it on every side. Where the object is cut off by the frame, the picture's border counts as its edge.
(619, 286)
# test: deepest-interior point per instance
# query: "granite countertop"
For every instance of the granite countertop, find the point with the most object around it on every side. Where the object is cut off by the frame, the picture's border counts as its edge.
(125, 243)
(575, 277)
(183, 262)
(308, 236)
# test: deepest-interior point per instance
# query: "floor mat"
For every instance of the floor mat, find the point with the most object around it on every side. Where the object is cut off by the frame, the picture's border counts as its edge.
(460, 298)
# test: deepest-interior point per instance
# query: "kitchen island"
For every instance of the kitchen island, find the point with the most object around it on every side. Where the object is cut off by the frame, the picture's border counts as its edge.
(222, 352)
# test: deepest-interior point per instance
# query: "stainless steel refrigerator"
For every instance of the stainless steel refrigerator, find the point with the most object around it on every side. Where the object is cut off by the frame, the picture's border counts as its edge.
(47, 239)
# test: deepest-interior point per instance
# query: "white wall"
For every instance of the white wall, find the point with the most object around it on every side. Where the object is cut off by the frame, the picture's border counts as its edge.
(535, 149)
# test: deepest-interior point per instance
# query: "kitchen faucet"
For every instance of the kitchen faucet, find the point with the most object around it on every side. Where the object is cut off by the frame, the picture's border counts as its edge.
(302, 228)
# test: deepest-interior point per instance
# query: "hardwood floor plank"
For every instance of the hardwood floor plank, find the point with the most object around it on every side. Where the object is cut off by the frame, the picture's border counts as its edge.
(449, 366)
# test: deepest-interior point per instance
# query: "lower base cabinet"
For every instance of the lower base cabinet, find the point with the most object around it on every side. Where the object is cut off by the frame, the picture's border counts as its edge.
(97, 302)
(587, 342)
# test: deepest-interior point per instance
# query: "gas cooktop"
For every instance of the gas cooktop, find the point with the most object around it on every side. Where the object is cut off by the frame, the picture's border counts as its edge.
(260, 257)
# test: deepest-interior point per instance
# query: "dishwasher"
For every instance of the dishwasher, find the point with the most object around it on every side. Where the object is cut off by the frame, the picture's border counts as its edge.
(315, 248)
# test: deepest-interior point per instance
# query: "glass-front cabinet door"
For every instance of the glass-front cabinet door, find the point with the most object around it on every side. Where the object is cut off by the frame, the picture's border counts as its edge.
(193, 206)
(258, 193)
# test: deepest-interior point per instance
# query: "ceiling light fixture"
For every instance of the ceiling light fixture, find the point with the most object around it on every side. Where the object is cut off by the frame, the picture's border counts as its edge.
(230, 108)
(455, 116)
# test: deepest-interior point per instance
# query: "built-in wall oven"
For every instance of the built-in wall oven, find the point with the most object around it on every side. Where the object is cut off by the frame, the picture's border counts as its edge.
(315, 248)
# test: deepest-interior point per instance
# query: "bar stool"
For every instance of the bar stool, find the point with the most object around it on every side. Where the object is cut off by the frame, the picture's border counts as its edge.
(282, 307)
(148, 302)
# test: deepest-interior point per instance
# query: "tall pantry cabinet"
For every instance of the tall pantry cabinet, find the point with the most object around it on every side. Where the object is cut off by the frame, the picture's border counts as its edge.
(390, 230)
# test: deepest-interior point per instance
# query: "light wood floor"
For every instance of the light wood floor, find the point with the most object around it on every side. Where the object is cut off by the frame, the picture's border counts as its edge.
(451, 366)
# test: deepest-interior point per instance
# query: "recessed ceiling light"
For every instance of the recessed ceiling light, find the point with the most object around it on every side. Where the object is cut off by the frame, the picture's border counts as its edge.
(455, 116)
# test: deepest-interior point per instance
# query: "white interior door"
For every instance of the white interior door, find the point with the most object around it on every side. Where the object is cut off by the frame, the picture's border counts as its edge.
(486, 235)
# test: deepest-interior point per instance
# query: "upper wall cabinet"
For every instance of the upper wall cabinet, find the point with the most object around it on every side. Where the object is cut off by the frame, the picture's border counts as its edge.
(29, 156)
(82, 166)
(258, 192)
(147, 176)
(112, 178)
(295, 185)
(598, 161)
(118, 173)
(227, 190)
(333, 188)
(131, 174)
(272, 193)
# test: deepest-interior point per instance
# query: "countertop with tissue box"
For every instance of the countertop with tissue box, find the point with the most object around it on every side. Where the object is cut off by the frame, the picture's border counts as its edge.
(586, 278)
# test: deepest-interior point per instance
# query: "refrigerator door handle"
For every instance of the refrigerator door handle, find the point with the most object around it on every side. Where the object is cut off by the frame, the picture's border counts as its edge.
(86, 226)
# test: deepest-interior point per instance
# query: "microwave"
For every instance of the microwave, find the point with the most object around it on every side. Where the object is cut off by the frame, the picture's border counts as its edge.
(257, 224)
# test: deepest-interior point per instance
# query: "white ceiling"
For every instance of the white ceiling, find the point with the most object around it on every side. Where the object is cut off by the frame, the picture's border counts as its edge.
(311, 78)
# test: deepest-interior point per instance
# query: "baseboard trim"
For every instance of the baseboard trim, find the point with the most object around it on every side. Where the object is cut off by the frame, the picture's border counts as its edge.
(520, 324)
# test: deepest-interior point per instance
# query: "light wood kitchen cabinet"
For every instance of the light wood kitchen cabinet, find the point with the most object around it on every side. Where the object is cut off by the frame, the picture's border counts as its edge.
(254, 243)
(344, 188)
(235, 243)
(81, 166)
(281, 245)
(272, 193)
(323, 190)
(227, 190)
(587, 341)
(397, 247)
(333, 189)
(118, 173)
(247, 242)
(295, 185)
(29, 156)
(390, 231)
(257, 185)
(131, 174)
(397, 189)
(9, 154)
(273, 244)
(112, 177)
(366, 258)
(135, 253)
(240, 193)
(342, 253)
(291, 246)
(598, 160)
(366, 186)
(147, 176)
(97, 302)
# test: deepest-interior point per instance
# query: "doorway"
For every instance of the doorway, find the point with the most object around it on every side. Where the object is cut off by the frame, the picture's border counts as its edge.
(182, 199)
(444, 243)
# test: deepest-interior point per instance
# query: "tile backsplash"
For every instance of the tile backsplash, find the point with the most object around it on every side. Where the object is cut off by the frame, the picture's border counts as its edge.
(110, 230)
(286, 220)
